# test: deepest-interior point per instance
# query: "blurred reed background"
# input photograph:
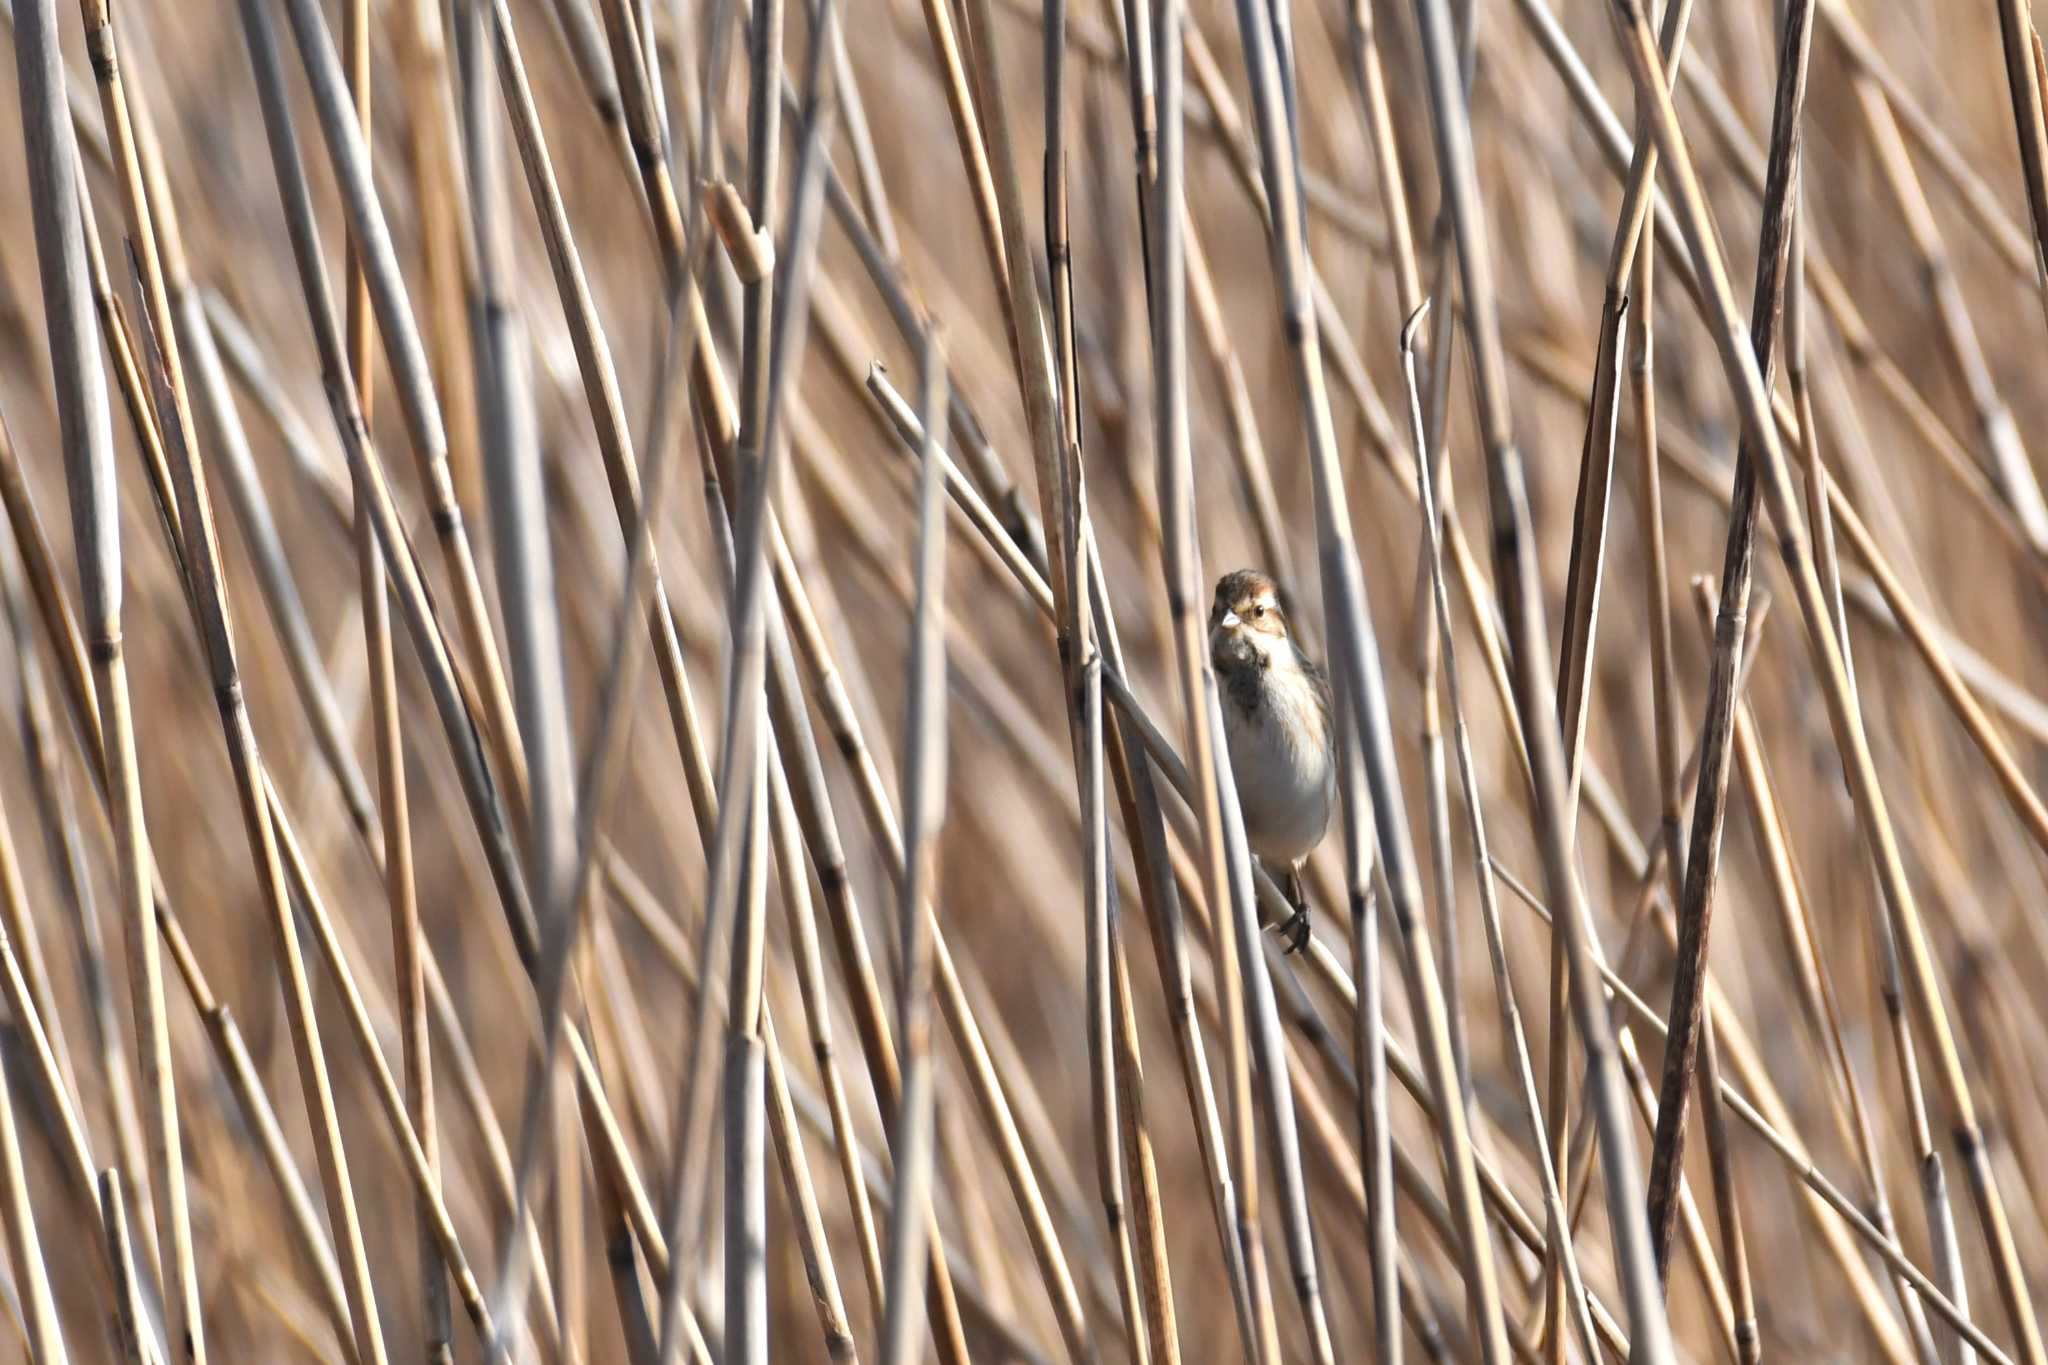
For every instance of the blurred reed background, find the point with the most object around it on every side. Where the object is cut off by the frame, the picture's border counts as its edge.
(520, 510)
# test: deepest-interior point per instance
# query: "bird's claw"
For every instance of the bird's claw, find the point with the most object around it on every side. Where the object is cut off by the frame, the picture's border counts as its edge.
(1295, 929)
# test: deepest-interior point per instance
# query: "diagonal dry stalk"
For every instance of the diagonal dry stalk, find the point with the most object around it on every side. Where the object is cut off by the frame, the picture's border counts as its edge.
(396, 552)
(1143, 1275)
(44, 1339)
(1769, 1119)
(393, 806)
(128, 1310)
(1166, 297)
(539, 334)
(391, 306)
(62, 631)
(1360, 687)
(201, 562)
(2022, 47)
(924, 780)
(1596, 467)
(57, 814)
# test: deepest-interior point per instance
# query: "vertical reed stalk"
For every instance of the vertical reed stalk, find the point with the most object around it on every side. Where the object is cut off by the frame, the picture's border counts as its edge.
(89, 468)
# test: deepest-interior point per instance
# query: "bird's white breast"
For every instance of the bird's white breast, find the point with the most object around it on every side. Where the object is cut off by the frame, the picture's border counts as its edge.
(1280, 757)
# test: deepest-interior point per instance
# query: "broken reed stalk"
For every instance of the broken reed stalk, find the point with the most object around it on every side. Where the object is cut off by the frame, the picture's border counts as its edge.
(924, 777)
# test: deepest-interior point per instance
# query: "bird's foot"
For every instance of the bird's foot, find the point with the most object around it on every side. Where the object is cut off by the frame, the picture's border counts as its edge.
(1295, 929)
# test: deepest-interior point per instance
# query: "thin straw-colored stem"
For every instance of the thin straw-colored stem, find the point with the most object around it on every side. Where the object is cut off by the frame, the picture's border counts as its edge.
(88, 459)
(392, 804)
(128, 1309)
(924, 787)
(1556, 1220)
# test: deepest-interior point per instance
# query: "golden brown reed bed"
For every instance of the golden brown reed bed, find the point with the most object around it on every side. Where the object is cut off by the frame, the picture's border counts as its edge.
(336, 457)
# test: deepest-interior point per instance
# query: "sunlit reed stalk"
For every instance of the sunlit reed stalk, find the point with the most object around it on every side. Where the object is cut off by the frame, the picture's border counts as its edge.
(365, 471)
(415, 1139)
(201, 563)
(1162, 902)
(988, 1085)
(924, 787)
(393, 807)
(1597, 461)
(1115, 1095)
(222, 1032)
(1184, 595)
(1912, 505)
(88, 458)
(349, 157)
(741, 824)
(2022, 48)
(526, 588)
(1787, 1148)
(601, 386)
(774, 350)
(57, 814)
(128, 1309)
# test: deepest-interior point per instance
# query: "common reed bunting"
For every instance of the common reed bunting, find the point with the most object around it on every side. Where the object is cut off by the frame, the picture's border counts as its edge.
(1276, 721)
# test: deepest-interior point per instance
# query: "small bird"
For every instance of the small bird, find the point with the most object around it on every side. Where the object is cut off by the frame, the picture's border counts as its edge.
(1276, 721)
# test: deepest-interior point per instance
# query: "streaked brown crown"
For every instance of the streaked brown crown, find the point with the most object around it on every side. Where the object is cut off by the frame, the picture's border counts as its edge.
(1255, 599)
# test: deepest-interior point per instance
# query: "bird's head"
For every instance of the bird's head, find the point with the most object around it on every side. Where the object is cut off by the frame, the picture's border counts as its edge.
(1246, 624)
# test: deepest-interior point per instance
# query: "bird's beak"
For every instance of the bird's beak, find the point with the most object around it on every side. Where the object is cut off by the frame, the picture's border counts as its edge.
(1230, 619)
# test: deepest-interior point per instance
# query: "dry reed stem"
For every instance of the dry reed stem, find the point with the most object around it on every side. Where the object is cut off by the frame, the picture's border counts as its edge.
(128, 1308)
(88, 457)
(1556, 1220)
(1703, 845)
(1514, 553)
(392, 804)
(521, 350)
(45, 1341)
(1918, 968)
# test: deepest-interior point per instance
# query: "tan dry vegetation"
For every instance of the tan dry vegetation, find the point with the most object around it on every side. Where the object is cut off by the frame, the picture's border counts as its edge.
(1128, 1138)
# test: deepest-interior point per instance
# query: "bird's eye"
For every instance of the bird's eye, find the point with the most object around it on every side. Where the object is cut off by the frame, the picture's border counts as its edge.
(1259, 612)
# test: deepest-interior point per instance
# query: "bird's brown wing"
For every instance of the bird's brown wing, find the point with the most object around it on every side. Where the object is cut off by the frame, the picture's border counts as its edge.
(1319, 686)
